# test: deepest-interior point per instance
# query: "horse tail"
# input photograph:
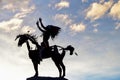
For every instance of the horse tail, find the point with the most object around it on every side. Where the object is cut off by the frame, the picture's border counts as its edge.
(70, 48)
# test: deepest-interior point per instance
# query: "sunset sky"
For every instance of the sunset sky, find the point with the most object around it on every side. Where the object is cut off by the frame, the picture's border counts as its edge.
(91, 26)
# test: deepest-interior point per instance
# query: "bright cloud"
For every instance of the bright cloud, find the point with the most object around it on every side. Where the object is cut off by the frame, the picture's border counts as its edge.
(8, 7)
(115, 10)
(97, 10)
(64, 18)
(78, 27)
(25, 29)
(24, 12)
(14, 5)
(62, 4)
(11, 24)
(22, 7)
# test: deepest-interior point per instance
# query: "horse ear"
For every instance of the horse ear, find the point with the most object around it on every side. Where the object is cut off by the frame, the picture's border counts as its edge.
(17, 37)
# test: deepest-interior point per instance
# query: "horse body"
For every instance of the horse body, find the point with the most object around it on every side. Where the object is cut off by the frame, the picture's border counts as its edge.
(51, 52)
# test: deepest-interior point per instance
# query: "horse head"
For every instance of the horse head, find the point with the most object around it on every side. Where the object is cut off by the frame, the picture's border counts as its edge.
(22, 39)
(25, 37)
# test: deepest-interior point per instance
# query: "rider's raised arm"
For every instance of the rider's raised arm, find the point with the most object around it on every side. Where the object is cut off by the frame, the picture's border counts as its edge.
(37, 23)
(42, 24)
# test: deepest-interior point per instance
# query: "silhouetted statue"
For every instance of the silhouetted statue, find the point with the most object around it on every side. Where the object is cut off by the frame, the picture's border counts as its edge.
(51, 52)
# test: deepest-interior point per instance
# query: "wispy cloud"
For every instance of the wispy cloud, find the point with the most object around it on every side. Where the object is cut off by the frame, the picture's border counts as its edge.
(96, 57)
(117, 26)
(20, 9)
(9, 6)
(11, 24)
(84, 1)
(95, 30)
(115, 11)
(78, 27)
(24, 11)
(96, 25)
(63, 18)
(97, 10)
(14, 5)
(25, 29)
(62, 4)
(102, 1)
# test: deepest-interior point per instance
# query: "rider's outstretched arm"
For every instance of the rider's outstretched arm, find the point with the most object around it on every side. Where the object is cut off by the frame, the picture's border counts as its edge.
(42, 24)
(37, 23)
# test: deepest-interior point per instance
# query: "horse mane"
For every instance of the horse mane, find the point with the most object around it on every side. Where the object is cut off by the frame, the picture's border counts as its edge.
(33, 38)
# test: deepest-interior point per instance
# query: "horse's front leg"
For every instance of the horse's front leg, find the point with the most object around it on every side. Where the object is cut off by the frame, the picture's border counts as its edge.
(35, 64)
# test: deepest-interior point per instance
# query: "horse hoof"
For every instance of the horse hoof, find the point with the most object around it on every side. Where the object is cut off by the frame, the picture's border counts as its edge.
(63, 76)
(36, 75)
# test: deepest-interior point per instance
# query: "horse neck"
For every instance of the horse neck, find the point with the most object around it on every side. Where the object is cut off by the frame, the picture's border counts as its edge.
(28, 46)
(34, 42)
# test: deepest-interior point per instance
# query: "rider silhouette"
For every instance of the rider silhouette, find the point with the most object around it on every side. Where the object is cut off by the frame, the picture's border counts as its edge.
(47, 32)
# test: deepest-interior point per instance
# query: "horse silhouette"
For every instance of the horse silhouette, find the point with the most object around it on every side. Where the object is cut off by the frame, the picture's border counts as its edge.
(51, 52)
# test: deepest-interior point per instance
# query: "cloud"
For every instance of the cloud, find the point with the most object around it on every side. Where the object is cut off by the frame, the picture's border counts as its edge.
(102, 1)
(78, 27)
(11, 24)
(84, 1)
(24, 12)
(97, 10)
(14, 5)
(25, 29)
(95, 25)
(62, 4)
(21, 8)
(95, 57)
(9, 7)
(63, 18)
(117, 26)
(115, 10)
(95, 30)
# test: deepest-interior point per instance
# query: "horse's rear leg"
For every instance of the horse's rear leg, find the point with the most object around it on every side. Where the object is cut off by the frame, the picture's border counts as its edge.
(63, 67)
(59, 68)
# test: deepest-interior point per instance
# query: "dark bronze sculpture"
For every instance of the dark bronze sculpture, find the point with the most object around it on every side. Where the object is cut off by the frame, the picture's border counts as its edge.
(51, 52)
(44, 51)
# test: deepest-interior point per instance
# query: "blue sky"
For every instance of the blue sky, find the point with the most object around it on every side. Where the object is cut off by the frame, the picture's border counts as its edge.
(91, 26)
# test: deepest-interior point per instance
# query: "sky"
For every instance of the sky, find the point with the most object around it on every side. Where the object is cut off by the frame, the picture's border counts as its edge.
(91, 26)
